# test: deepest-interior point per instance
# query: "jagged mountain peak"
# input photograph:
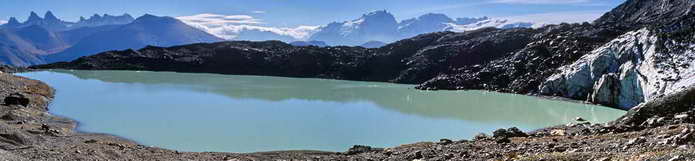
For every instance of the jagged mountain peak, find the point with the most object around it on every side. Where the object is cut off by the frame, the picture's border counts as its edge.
(380, 17)
(49, 16)
(34, 17)
(13, 21)
(106, 19)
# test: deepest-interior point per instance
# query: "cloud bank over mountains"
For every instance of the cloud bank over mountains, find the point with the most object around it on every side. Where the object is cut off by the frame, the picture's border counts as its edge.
(231, 27)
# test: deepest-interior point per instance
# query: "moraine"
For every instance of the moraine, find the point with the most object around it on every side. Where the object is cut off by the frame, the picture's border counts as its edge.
(212, 112)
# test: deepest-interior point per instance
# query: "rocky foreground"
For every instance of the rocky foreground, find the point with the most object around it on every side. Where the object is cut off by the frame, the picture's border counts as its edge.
(663, 129)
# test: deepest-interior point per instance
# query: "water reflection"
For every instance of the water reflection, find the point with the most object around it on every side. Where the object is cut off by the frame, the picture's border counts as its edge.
(479, 106)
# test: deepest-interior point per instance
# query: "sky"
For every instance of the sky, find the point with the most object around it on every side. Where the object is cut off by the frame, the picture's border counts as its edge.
(292, 13)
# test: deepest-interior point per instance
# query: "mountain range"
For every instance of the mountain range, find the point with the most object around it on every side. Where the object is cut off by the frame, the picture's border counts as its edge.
(377, 26)
(52, 23)
(48, 39)
(382, 26)
(144, 31)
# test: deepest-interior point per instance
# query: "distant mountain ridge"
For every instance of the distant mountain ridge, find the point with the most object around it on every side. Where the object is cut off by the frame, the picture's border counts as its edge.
(53, 23)
(373, 44)
(106, 19)
(144, 31)
(309, 43)
(45, 39)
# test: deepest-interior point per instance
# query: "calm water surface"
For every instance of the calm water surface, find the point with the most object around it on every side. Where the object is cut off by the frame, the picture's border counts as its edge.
(211, 112)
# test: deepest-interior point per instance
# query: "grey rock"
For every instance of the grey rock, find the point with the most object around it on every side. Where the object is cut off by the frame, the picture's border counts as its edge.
(507, 133)
(358, 149)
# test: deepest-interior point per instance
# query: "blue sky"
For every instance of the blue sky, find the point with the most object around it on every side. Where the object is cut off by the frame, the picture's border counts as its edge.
(303, 12)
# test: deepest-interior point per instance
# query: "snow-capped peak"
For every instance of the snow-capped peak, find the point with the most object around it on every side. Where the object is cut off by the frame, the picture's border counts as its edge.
(376, 17)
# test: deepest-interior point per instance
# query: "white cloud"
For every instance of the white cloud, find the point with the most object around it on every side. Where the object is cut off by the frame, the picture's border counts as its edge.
(537, 20)
(541, 1)
(216, 19)
(3, 22)
(230, 26)
(557, 17)
(258, 12)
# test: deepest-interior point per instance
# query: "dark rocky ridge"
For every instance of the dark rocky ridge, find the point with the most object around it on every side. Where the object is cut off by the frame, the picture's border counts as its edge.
(407, 61)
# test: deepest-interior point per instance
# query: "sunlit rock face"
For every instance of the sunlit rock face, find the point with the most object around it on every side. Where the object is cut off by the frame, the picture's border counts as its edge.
(636, 67)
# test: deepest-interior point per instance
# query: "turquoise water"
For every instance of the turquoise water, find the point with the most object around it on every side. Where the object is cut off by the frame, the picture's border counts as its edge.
(212, 112)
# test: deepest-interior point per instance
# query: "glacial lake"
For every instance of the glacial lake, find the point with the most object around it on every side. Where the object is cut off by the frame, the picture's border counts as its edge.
(229, 113)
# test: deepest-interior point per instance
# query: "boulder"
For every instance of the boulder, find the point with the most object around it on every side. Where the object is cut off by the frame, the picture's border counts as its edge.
(508, 133)
(358, 149)
(16, 99)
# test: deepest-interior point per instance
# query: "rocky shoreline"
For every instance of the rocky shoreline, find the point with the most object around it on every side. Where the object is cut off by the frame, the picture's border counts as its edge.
(29, 132)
